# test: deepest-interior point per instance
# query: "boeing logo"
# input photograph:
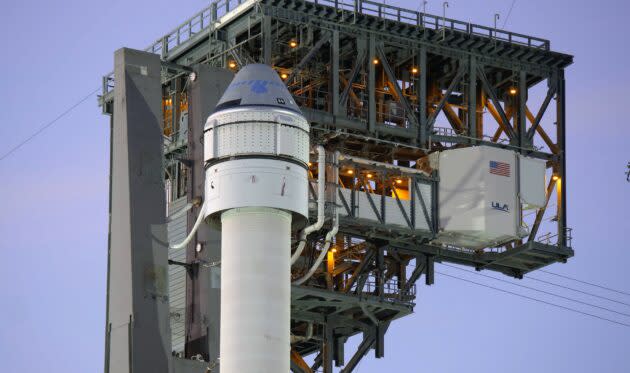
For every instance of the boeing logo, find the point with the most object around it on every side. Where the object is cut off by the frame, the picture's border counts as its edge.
(256, 86)
(500, 206)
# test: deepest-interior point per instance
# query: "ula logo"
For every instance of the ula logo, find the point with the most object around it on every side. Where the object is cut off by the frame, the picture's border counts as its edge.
(499, 206)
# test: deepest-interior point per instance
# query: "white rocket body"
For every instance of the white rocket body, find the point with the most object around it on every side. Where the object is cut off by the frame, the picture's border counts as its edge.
(256, 146)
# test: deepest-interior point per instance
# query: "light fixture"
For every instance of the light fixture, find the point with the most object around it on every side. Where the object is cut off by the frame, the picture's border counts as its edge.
(293, 44)
(375, 61)
(414, 70)
(310, 164)
(398, 181)
(369, 176)
(555, 177)
(334, 250)
(512, 91)
(284, 75)
(350, 172)
(232, 64)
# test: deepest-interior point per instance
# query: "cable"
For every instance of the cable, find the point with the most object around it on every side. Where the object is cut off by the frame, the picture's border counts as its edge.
(535, 299)
(509, 13)
(540, 291)
(565, 287)
(584, 282)
(41, 129)
(577, 290)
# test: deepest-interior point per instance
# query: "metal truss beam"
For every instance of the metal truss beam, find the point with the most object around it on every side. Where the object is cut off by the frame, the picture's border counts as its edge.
(536, 122)
(298, 365)
(325, 38)
(541, 211)
(367, 343)
(359, 63)
(409, 113)
(442, 102)
(543, 134)
(503, 122)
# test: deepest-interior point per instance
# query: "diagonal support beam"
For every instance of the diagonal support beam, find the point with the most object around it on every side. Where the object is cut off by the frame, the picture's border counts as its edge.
(543, 134)
(367, 259)
(504, 122)
(353, 77)
(309, 56)
(362, 350)
(402, 208)
(453, 119)
(351, 94)
(298, 362)
(499, 130)
(505, 126)
(541, 212)
(379, 215)
(543, 108)
(392, 78)
(440, 105)
(417, 272)
(424, 207)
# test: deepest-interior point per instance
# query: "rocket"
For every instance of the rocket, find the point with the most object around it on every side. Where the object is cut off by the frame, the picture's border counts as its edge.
(256, 152)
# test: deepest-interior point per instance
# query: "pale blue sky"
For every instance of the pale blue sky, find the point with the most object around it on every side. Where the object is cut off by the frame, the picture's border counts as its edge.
(53, 214)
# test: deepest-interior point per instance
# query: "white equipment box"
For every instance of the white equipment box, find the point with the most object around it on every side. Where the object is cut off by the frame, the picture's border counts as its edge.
(480, 193)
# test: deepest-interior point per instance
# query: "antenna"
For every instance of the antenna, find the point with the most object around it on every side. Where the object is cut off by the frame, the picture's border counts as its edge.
(496, 19)
(444, 6)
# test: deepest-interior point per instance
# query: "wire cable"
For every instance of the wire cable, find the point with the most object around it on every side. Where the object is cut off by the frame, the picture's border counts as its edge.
(563, 286)
(42, 128)
(535, 299)
(540, 291)
(577, 290)
(585, 282)
(509, 13)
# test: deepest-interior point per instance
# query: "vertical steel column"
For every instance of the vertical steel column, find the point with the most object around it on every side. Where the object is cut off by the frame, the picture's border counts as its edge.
(266, 42)
(371, 89)
(334, 73)
(202, 284)
(138, 333)
(562, 169)
(521, 111)
(422, 98)
(472, 99)
(327, 348)
(380, 270)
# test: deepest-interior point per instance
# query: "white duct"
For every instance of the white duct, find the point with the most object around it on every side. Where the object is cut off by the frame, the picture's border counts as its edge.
(382, 165)
(321, 201)
(329, 235)
(255, 292)
(200, 217)
(300, 338)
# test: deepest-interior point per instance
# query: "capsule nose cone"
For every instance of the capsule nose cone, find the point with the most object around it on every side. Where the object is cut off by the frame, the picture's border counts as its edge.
(257, 85)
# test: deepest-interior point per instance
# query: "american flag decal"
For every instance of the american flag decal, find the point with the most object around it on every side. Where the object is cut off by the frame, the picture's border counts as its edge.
(500, 168)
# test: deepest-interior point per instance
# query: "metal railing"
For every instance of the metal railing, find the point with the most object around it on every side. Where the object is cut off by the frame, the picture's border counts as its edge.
(195, 25)
(206, 18)
(550, 238)
(391, 290)
(434, 22)
(446, 132)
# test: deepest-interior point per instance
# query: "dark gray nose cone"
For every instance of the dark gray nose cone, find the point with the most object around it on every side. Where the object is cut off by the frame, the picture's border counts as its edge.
(257, 85)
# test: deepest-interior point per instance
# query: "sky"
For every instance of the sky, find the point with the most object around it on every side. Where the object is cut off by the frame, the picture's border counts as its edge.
(54, 196)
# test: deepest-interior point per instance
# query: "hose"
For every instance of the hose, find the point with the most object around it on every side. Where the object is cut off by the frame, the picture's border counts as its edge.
(321, 185)
(329, 235)
(193, 230)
